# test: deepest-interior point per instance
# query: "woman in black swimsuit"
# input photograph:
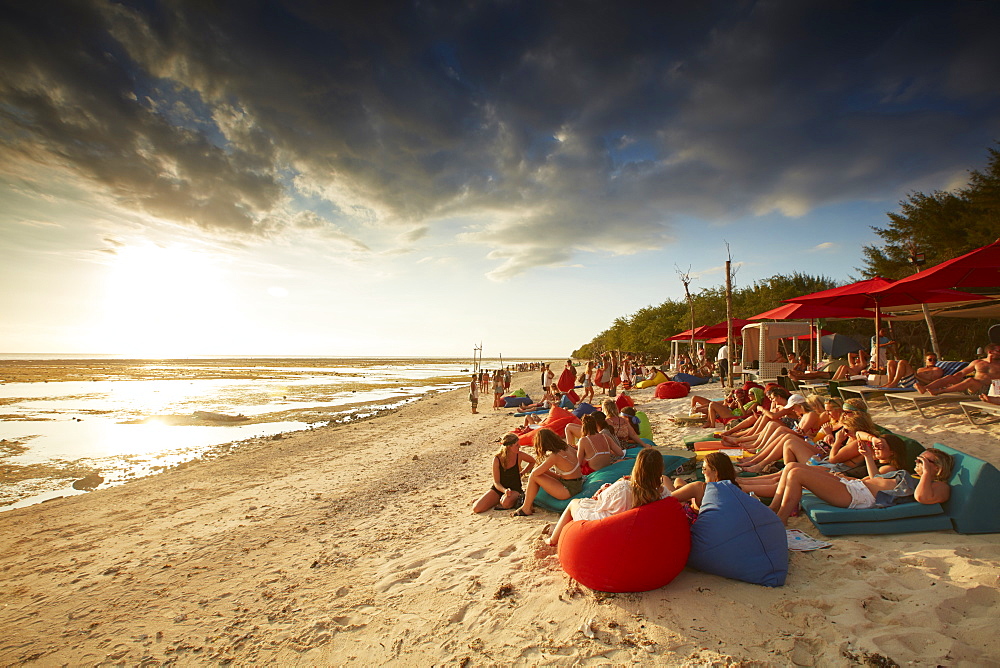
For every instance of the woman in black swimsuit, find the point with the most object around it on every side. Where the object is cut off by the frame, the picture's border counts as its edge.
(509, 464)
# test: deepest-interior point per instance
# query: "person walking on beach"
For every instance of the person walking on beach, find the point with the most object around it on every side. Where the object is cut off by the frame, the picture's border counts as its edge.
(474, 392)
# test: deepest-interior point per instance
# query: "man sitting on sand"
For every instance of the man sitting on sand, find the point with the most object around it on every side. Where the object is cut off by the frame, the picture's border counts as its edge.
(901, 374)
(974, 379)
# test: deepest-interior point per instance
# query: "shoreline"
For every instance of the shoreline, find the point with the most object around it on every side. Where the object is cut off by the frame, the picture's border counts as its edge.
(355, 544)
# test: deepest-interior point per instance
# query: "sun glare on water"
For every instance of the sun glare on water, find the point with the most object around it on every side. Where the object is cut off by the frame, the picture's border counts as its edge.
(161, 302)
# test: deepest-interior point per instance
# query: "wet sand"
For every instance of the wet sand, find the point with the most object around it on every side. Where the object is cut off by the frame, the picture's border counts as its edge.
(354, 544)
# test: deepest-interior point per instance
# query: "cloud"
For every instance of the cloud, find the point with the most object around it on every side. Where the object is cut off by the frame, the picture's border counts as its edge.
(825, 246)
(553, 132)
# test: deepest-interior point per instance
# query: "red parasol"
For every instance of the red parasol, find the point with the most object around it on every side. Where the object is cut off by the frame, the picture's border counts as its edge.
(977, 269)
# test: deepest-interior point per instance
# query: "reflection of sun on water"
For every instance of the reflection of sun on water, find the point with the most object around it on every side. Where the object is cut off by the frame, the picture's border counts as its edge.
(160, 301)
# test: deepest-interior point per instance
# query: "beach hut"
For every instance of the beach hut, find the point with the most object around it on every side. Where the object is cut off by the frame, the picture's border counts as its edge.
(761, 345)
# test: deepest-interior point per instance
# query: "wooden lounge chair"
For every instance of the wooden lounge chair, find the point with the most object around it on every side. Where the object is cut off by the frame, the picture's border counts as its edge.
(971, 408)
(921, 401)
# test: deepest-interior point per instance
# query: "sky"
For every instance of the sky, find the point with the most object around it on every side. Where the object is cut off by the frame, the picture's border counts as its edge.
(419, 178)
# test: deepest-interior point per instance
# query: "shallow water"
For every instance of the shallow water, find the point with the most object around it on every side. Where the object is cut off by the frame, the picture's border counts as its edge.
(61, 420)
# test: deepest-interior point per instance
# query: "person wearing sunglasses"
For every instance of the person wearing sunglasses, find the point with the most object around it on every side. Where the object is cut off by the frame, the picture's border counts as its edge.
(876, 490)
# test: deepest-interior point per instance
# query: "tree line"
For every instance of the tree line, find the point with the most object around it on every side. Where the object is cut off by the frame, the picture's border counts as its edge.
(940, 225)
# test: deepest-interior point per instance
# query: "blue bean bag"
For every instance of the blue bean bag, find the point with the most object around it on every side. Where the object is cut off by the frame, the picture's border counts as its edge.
(736, 536)
(689, 379)
(593, 482)
(516, 402)
(583, 408)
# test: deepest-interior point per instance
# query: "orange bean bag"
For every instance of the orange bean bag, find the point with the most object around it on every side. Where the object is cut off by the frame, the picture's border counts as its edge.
(556, 421)
(672, 390)
(639, 550)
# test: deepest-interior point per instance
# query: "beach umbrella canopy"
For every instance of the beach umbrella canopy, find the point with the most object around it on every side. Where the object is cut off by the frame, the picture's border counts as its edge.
(838, 345)
(977, 269)
(872, 293)
(810, 310)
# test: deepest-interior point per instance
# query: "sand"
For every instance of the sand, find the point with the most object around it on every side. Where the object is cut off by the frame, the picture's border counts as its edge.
(355, 545)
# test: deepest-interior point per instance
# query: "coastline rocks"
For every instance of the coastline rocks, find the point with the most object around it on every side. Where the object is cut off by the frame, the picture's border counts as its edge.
(89, 482)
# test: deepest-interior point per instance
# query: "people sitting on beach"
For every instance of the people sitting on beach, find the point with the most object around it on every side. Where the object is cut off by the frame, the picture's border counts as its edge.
(778, 440)
(801, 371)
(716, 467)
(738, 403)
(595, 448)
(621, 426)
(646, 485)
(856, 365)
(747, 429)
(558, 471)
(902, 374)
(509, 464)
(974, 379)
(889, 488)
(890, 455)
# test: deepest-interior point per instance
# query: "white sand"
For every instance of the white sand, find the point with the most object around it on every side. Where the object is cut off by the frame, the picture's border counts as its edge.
(355, 545)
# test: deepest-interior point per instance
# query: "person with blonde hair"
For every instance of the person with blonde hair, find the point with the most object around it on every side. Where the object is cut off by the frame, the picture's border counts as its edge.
(646, 485)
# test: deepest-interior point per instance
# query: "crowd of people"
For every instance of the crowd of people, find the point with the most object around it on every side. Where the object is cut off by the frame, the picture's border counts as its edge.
(794, 443)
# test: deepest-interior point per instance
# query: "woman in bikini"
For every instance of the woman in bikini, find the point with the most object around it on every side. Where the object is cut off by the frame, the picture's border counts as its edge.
(790, 445)
(509, 464)
(558, 471)
(596, 449)
(621, 426)
(646, 485)
(838, 490)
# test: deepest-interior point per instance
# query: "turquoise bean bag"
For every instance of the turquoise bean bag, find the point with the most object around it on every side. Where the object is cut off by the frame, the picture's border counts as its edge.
(608, 474)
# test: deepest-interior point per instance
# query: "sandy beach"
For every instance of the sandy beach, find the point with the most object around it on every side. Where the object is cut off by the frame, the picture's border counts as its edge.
(354, 545)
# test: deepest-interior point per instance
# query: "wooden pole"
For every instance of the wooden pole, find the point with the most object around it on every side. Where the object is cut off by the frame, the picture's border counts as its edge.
(728, 380)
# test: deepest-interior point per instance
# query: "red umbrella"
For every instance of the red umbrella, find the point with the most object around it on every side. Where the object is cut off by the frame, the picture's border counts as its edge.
(869, 294)
(977, 269)
(812, 311)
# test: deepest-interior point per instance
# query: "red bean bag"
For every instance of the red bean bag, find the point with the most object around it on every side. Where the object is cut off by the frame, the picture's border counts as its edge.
(639, 550)
(556, 421)
(624, 400)
(567, 380)
(603, 378)
(672, 390)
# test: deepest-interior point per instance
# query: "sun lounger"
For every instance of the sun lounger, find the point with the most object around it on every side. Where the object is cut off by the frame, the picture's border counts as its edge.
(864, 392)
(971, 408)
(921, 401)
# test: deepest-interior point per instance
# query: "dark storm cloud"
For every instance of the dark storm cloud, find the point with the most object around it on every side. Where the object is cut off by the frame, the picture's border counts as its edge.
(560, 127)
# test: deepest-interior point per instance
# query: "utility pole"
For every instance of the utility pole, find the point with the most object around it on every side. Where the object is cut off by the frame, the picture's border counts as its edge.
(686, 280)
(477, 360)
(731, 354)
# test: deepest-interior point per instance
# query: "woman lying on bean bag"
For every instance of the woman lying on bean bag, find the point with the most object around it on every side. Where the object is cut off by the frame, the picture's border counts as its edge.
(646, 484)
(878, 489)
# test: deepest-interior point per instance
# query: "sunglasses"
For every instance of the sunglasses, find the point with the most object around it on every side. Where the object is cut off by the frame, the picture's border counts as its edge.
(921, 460)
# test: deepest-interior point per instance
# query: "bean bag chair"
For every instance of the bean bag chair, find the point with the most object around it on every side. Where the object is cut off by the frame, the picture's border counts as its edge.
(672, 390)
(644, 430)
(556, 421)
(583, 408)
(638, 550)
(736, 536)
(567, 380)
(516, 402)
(623, 401)
(519, 393)
(603, 379)
(656, 380)
(690, 380)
